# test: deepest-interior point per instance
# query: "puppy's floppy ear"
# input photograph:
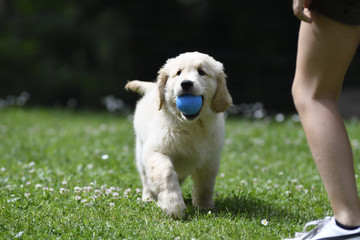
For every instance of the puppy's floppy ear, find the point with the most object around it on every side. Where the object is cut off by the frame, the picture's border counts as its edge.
(161, 82)
(222, 99)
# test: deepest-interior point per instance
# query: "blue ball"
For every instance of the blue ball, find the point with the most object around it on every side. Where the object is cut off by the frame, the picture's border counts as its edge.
(189, 104)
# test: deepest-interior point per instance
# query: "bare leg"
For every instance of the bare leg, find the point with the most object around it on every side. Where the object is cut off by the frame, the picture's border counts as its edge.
(325, 50)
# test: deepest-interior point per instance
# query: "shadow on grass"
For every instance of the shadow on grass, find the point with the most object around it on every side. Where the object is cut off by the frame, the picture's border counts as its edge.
(246, 206)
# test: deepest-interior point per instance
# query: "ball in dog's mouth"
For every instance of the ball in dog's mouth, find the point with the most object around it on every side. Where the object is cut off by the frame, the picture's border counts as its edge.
(189, 105)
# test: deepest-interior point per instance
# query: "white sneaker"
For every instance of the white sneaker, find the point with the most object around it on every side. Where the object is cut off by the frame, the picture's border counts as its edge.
(326, 230)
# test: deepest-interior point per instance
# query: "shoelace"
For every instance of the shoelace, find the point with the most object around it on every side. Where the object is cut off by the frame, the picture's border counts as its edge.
(308, 235)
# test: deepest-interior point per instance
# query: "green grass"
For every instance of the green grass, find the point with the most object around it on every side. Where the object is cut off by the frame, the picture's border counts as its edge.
(71, 175)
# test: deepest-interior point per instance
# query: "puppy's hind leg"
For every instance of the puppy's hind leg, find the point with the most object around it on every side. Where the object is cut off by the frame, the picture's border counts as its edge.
(147, 194)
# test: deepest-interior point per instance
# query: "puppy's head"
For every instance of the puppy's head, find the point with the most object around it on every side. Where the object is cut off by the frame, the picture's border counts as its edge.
(196, 74)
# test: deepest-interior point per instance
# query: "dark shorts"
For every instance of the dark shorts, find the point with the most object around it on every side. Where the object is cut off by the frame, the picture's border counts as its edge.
(345, 11)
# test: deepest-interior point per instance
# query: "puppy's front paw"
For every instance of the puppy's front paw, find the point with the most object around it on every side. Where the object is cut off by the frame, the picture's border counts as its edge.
(147, 196)
(172, 204)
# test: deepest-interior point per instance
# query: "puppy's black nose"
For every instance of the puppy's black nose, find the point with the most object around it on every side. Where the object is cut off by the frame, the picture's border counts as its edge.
(187, 84)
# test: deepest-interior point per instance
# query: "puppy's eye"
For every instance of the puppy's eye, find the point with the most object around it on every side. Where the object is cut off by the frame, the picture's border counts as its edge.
(178, 73)
(201, 72)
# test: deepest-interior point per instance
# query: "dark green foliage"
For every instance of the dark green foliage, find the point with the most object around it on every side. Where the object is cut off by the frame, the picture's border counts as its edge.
(84, 50)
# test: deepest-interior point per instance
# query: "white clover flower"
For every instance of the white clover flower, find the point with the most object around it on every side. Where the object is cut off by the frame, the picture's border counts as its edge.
(45, 189)
(258, 141)
(103, 187)
(288, 192)
(3, 169)
(32, 170)
(108, 191)
(115, 194)
(138, 190)
(111, 204)
(28, 183)
(51, 189)
(222, 175)
(138, 199)
(77, 198)
(87, 189)
(19, 234)
(64, 183)
(38, 186)
(105, 157)
(27, 195)
(62, 190)
(77, 189)
(126, 192)
(264, 222)
(84, 201)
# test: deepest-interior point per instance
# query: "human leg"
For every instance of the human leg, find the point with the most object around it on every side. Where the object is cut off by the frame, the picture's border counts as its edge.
(325, 50)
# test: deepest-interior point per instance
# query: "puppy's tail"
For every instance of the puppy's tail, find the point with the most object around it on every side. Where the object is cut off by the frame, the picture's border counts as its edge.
(140, 87)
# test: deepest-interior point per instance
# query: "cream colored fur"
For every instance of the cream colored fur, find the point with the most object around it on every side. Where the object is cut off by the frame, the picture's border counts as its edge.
(171, 146)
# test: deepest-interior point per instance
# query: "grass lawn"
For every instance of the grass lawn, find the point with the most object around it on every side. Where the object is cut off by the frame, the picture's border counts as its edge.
(71, 175)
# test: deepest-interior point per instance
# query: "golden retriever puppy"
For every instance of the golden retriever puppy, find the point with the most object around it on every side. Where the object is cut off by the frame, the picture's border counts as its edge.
(171, 145)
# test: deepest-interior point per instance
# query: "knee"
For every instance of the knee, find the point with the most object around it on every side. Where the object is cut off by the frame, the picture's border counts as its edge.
(305, 96)
(300, 97)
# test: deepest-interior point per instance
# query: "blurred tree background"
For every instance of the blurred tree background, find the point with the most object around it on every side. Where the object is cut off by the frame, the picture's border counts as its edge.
(81, 51)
